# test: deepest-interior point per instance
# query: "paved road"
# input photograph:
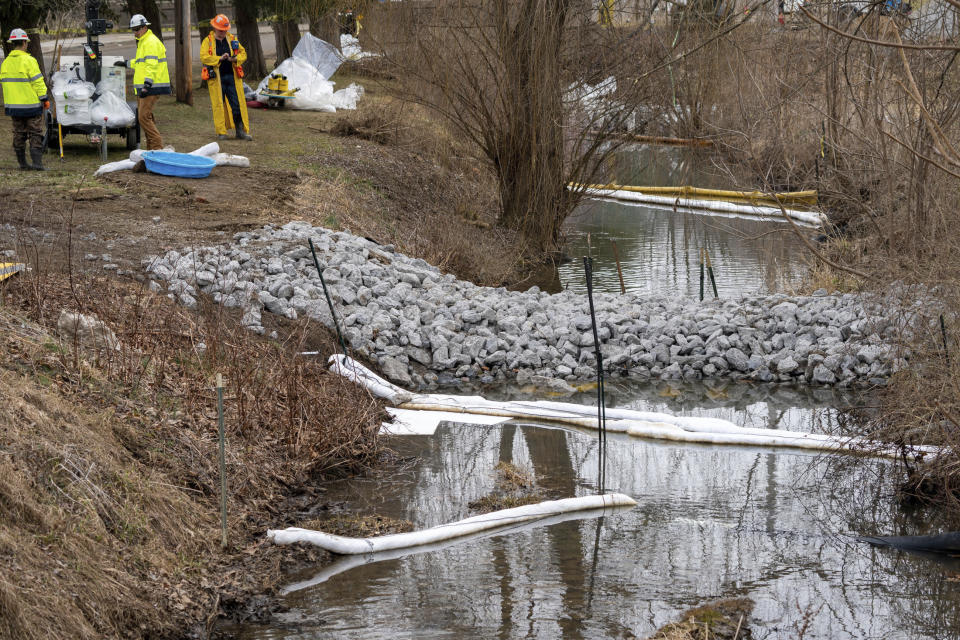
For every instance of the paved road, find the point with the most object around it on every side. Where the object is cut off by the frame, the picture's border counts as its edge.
(124, 44)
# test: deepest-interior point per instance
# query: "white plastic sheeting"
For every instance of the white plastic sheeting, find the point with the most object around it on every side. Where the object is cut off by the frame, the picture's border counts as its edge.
(476, 524)
(319, 54)
(313, 61)
(345, 563)
(210, 150)
(351, 48)
(805, 218)
(641, 424)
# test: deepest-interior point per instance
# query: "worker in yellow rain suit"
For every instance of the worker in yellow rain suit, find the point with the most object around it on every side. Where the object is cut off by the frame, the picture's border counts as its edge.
(221, 55)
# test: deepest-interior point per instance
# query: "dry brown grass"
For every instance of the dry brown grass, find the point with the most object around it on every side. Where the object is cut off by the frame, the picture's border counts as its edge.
(425, 194)
(109, 484)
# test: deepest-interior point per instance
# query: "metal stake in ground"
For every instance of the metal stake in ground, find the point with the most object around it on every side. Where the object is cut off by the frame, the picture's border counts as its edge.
(943, 334)
(601, 405)
(223, 463)
(336, 325)
(713, 281)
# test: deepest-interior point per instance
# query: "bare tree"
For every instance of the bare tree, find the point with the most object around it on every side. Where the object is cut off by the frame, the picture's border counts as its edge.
(537, 85)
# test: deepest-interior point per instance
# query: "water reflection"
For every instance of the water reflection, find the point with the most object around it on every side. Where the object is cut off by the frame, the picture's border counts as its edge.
(659, 248)
(775, 526)
(659, 251)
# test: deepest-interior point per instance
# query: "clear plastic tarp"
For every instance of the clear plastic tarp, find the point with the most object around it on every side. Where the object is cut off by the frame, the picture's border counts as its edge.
(319, 54)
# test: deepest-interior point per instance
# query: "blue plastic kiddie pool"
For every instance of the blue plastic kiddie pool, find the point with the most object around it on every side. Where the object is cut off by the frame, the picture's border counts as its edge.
(181, 165)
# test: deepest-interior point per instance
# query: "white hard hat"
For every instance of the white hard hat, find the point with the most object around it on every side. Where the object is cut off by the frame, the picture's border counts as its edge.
(18, 35)
(137, 21)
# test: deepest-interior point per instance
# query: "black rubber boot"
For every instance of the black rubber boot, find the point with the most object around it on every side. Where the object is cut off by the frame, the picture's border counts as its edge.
(37, 156)
(243, 135)
(22, 159)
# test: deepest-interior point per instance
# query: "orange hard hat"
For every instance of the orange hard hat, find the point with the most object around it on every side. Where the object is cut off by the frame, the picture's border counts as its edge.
(221, 22)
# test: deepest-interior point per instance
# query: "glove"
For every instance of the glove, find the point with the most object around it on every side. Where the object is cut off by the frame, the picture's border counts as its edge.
(46, 105)
(147, 84)
(119, 63)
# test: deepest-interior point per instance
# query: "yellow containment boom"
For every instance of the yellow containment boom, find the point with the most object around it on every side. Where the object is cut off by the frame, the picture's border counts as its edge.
(7, 269)
(792, 198)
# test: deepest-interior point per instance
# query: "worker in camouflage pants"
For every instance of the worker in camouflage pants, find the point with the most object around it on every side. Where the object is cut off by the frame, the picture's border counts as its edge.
(24, 99)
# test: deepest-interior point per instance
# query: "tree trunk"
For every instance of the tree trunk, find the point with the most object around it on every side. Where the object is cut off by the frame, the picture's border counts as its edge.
(206, 9)
(530, 164)
(287, 35)
(33, 48)
(249, 33)
(150, 11)
(183, 71)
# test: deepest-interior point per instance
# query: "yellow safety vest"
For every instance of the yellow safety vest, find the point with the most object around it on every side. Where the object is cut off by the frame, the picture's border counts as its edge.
(150, 64)
(23, 89)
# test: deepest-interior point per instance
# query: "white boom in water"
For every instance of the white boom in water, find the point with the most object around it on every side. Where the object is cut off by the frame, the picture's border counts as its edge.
(469, 526)
(641, 424)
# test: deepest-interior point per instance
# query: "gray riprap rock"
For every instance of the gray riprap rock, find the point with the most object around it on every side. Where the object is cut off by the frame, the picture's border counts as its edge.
(822, 375)
(552, 384)
(738, 359)
(396, 371)
(787, 365)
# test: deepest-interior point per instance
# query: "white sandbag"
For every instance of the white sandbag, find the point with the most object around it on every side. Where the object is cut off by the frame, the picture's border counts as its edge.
(230, 160)
(119, 165)
(110, 107)
(137, 154)
(207, 150)
(467, 526)
(347, 98)
(319, 54)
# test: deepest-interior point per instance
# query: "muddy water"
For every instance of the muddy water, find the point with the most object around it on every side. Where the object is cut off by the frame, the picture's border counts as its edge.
(776, 526)
(659, 248)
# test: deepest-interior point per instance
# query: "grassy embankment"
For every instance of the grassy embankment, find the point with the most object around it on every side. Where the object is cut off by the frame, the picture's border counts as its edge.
(108, 466)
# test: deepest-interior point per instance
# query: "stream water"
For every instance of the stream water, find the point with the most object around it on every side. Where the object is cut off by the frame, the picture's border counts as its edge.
(659, 248)
(777, 526)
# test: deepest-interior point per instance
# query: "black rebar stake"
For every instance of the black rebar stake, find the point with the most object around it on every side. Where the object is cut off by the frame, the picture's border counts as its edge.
(701, 275)
(601, 405)
(336, 325)
(943, 334)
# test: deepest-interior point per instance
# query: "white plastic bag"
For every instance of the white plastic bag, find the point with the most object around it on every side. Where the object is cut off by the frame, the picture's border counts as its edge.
(109, 106)
(347, 98)
(72, 97)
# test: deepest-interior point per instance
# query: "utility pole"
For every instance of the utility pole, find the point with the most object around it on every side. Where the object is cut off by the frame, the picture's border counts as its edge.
(184, 81)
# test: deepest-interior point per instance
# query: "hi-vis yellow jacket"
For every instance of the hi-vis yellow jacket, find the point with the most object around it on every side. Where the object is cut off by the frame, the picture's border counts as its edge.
(222, 113)
(23, 89)
(150, 64)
